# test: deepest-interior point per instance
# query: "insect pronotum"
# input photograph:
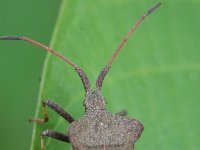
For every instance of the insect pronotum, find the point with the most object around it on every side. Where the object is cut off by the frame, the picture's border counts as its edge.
(98, 129)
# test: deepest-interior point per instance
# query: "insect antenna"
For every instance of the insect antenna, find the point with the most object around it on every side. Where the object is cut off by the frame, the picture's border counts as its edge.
(80, 72)
(108, 65)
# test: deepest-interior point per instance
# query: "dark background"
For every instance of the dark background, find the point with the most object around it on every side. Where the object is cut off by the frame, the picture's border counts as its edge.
(21, 65)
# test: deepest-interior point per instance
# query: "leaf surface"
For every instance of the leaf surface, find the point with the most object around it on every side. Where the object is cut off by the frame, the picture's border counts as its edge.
(156, 76)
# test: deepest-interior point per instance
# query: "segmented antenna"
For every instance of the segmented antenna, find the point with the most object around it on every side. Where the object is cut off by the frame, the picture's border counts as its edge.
(108, 65)
(80, 72)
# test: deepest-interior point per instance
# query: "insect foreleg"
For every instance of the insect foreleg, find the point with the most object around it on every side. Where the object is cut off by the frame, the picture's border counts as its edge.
(53, 134)
(56, 108)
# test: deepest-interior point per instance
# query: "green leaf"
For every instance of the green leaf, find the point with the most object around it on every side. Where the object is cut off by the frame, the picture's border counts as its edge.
(155, 77)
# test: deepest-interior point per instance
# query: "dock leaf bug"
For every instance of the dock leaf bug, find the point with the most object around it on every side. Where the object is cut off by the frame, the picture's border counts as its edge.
(98, 129)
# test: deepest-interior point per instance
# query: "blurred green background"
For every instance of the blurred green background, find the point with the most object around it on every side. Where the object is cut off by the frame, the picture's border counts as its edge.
(21, 66)
(156, 77)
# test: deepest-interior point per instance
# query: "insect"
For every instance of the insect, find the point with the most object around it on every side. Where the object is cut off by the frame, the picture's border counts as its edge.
(98, 129)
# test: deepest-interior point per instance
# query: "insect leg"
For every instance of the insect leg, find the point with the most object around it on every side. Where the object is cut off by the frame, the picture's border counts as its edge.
(122, 113)
(53, 134)
(56, 108)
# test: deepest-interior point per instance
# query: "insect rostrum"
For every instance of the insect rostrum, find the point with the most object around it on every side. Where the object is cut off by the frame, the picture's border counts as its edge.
(98, 129)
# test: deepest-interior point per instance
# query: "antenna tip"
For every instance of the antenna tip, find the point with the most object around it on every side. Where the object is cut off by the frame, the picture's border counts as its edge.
(10, 38)
(152, 9)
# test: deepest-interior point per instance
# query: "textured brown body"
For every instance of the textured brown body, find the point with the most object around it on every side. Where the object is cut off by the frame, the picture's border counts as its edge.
(98, 129)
